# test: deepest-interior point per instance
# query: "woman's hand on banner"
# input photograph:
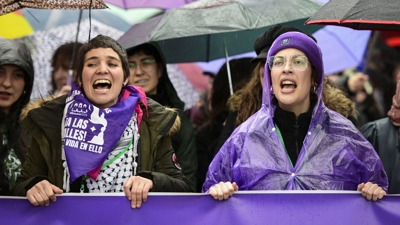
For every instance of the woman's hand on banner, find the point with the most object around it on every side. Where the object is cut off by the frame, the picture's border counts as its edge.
(371, 191)
(223, 190)
(42, 193)
(136, 189)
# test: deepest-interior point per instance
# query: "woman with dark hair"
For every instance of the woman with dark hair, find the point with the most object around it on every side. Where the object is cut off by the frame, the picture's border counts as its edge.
(112, 139)
(16, 82)
(148, 70)
(60, 63)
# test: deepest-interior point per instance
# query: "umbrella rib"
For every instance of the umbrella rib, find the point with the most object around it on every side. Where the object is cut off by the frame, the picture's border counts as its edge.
(125, 5)
(208, 49)
(32, 15)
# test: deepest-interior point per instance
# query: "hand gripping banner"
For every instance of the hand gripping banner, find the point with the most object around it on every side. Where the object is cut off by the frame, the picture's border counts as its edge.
(250, 207)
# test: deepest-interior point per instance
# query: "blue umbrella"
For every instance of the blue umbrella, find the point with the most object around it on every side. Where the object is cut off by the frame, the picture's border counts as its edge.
(341, 47)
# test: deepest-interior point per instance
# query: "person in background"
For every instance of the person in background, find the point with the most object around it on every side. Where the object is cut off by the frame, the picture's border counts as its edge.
(110, 138)
(353, 83)
(207, 136)
(199, 114)
(148, 70)
(61, 63)
(16, 82)
(373, 82)
(383, 134)
(294, 142)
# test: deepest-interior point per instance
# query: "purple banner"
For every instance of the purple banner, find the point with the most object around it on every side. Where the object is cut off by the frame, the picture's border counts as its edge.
(269, 207)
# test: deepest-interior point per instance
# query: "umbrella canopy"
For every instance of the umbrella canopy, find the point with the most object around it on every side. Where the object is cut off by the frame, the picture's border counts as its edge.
(163, 4)
(341, 47)
(184, 88)
(34, 20)
(41, 19)
(359, 14)
(7, 6)
(10, 21)
(215, 65)
(211, 29)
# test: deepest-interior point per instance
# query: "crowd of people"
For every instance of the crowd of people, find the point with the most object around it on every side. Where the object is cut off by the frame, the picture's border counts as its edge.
(114, 123)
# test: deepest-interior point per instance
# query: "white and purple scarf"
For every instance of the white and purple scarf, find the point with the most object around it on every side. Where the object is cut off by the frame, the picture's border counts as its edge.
(89, 134)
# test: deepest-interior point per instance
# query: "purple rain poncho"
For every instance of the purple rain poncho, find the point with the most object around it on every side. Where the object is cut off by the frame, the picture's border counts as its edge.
(334, 155)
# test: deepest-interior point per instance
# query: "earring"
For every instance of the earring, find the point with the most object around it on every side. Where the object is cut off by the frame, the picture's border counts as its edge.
(313, 88)
(271, 90)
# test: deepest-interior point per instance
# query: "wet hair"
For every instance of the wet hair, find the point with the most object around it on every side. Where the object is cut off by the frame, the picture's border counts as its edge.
(24, 99)
(62, 57)
(240, 72)
(149, 49)
(102, 41)
(314, 75)
(248, 99)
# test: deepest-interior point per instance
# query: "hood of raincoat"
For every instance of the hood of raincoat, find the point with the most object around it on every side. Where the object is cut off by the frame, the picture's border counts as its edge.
(165, 83)
(334, 155)
(16, 53)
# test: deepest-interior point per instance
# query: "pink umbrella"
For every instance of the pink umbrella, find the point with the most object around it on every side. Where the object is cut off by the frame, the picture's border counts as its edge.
(163, 4)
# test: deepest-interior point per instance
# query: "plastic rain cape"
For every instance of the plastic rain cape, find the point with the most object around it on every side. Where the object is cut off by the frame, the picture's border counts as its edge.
(334, 155)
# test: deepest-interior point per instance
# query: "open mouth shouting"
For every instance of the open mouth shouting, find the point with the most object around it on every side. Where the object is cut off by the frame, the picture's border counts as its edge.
(102, 85)
(288, 86)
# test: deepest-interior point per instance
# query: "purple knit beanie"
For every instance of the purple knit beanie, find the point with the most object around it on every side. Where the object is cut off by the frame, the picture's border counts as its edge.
(303, 43)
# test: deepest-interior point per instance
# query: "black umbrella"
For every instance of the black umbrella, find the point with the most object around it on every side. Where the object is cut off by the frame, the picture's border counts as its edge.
(204, 30)
(212, 29)
(359, 14)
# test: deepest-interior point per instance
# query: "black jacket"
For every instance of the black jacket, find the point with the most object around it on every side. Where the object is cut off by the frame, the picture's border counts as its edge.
(206, 141)
(183, 141)
(384, 136)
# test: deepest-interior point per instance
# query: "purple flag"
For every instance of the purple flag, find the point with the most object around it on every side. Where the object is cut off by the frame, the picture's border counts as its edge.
(250, 207)
(90, 133)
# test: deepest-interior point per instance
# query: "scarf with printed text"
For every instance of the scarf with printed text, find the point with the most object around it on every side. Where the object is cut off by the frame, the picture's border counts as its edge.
(90, 133)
